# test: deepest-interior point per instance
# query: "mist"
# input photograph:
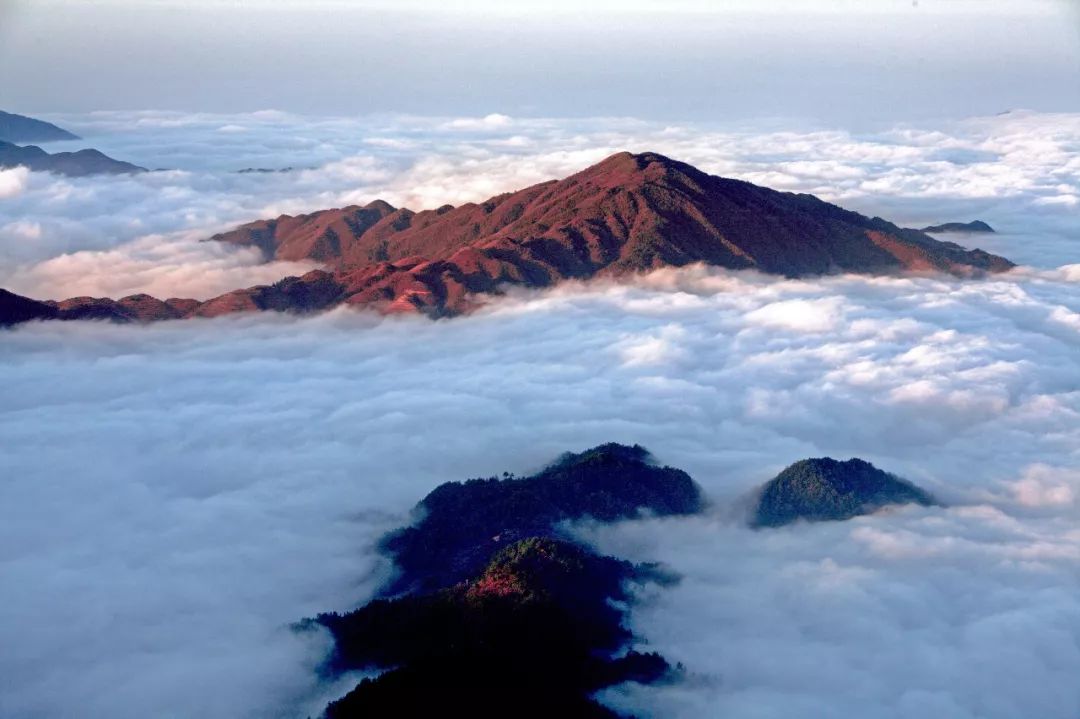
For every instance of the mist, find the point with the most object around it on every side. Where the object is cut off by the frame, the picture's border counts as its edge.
(177, 494)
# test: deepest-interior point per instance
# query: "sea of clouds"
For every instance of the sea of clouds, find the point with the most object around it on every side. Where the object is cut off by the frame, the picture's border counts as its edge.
(114, 236)
(175, 495)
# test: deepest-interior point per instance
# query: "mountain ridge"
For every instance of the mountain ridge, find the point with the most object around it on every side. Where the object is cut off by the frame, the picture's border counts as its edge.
(624, 197)
(626, 214)
(20, 128)
(964, 227)
(79, 163)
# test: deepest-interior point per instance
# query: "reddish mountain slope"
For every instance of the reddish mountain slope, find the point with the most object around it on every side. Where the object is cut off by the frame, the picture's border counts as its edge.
(628, 213)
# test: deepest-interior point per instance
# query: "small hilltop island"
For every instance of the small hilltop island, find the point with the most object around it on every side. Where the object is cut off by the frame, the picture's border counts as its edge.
(497, 609)
(976, 226)
(823, 489)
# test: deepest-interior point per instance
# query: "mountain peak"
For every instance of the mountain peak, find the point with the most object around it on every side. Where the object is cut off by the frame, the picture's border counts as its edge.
(625, 167)
(627, 161)
(822, 489)
(639, 160)
(631, 212)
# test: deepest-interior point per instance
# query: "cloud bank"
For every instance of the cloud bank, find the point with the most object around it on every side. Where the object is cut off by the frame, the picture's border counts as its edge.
(1019, 171)
(175, 495)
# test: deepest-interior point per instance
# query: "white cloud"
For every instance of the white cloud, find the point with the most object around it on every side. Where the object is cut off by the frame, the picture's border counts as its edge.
(23, 229)
(656, 348)
(487, 122)
(962, 612)
(176, 494)
(799, 315)
(1043, 485)
(157, 265)
(13, 181)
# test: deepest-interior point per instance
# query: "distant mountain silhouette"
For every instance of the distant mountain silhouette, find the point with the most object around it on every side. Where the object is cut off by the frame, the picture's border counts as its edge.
(825, 489)
(975, 226)
(268, 170)
(19, 128)
(626, 214)
(134, 308)
(72, 164)
(16, 308)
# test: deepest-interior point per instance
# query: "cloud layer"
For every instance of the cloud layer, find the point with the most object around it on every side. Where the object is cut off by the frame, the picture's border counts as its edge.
(176, 494)
(1018, 171)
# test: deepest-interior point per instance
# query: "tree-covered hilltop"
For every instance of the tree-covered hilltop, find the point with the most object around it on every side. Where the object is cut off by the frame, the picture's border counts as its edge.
(534, 634)
(492, 615)
(826, 489)
(461, 524)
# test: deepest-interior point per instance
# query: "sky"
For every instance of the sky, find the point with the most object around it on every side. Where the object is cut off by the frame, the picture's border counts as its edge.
(857, 62)
(176, 495)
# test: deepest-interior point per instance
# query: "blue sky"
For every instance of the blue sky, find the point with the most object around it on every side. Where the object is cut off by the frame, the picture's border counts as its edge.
(834, 63)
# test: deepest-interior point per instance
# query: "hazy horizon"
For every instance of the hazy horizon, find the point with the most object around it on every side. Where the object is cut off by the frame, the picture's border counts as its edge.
(835, 63)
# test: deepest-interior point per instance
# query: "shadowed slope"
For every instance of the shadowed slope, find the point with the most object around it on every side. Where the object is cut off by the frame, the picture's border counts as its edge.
(492, 615)
(16, 308)
(462, 523)
(532, 634)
